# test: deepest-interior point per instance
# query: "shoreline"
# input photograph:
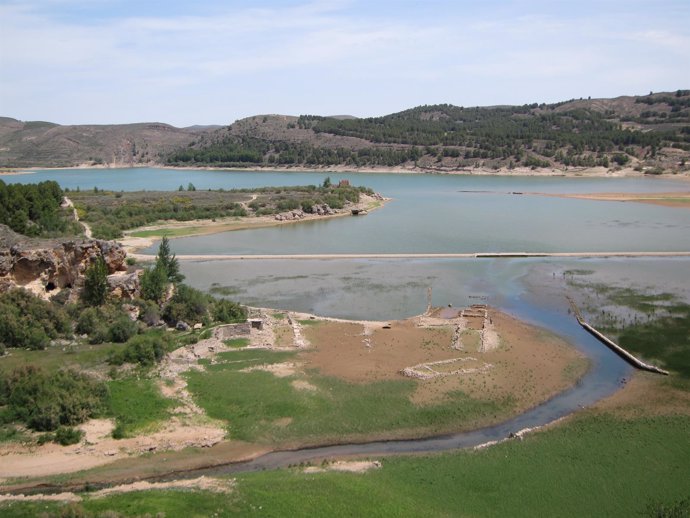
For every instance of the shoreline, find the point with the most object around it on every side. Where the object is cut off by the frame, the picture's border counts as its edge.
(665, 199)
(205, 227)
(573, 172)
(460, 255)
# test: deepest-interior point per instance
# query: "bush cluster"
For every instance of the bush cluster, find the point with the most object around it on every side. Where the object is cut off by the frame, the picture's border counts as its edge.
(145, 350)
(27, 321)
(107, 323)
(44, 401)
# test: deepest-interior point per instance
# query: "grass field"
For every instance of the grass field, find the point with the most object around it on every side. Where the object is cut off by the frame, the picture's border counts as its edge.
(136, 404)
(168, 232)
(665, 339)
(259, 406)
(595, 465)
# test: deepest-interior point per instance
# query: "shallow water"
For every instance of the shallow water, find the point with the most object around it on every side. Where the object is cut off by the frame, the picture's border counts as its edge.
(392, 289)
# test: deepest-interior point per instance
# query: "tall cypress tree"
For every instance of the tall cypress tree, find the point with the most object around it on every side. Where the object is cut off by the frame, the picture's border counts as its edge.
(167, 260)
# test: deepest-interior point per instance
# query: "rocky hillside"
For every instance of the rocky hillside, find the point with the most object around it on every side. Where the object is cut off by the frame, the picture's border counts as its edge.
(48, 266)
(44, 144)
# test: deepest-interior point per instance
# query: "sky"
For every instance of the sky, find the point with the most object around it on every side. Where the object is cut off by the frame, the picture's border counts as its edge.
(212, 62)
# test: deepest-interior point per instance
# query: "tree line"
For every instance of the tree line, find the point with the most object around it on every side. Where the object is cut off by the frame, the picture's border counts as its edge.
(34, 209)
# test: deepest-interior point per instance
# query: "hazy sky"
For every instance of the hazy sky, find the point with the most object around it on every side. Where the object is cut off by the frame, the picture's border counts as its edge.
(211, 62)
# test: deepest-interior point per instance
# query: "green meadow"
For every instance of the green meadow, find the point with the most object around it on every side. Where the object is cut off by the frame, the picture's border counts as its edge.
(595, 465)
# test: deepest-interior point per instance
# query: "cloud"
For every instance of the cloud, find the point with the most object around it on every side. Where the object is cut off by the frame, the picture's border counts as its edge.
(72, 59)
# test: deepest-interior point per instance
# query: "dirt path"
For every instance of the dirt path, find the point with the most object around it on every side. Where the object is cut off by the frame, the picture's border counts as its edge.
(87, 229)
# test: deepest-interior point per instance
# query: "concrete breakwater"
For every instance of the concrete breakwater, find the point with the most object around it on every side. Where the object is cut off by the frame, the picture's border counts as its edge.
(634, 361)
(481, 255)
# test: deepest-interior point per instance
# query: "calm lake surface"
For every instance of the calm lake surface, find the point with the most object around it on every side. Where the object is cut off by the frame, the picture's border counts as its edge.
(428, 214)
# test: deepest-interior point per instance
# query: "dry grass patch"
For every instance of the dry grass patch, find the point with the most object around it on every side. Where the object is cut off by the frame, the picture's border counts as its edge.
(339, 349)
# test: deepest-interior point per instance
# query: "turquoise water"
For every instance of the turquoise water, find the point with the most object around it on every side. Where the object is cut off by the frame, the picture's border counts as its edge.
(428, 214)
(132, 179)
(436, 214)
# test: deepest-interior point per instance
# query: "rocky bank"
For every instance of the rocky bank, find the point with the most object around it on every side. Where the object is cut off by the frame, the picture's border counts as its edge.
(46, 266)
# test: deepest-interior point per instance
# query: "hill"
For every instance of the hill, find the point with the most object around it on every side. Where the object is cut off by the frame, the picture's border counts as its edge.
(44, 144)
(649, 133)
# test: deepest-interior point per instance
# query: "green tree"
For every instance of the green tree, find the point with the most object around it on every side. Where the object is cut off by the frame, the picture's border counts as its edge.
(154, 282)
(168, 262)
(96, 283)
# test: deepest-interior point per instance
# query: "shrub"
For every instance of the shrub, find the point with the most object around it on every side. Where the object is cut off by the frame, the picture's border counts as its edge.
(188, 305)
(142, 349)
(65, 435)
(621, 159)
(27, 321)
(227, 311)
(96, 283)
(149, 312)
(44, 401)
(122, 329)
(88, 321)
(154, 282)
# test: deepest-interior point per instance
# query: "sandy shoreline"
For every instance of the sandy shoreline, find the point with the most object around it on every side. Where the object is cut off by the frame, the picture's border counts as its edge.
(664, 199)
(572, 172)
(204, 227)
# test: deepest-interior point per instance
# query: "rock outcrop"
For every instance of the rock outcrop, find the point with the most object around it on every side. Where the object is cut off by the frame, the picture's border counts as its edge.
(49, 265)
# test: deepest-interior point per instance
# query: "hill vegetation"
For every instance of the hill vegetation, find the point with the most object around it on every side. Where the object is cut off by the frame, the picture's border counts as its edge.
(650, 133)
(44, 396)
(110, 213)
(35, 209)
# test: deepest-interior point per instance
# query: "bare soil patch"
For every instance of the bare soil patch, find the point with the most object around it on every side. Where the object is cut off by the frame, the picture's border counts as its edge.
(646, 394)
(510, 355)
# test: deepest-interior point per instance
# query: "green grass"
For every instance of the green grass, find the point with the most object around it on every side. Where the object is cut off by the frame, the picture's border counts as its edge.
(597, 466)
(310, 322)
(665, 339)
(187, 504)
(10, 433)
(593, 466)
(237, 343)
(217, 289)
(136, 404)
(256, 404)
(78, 356)
(168, 232)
